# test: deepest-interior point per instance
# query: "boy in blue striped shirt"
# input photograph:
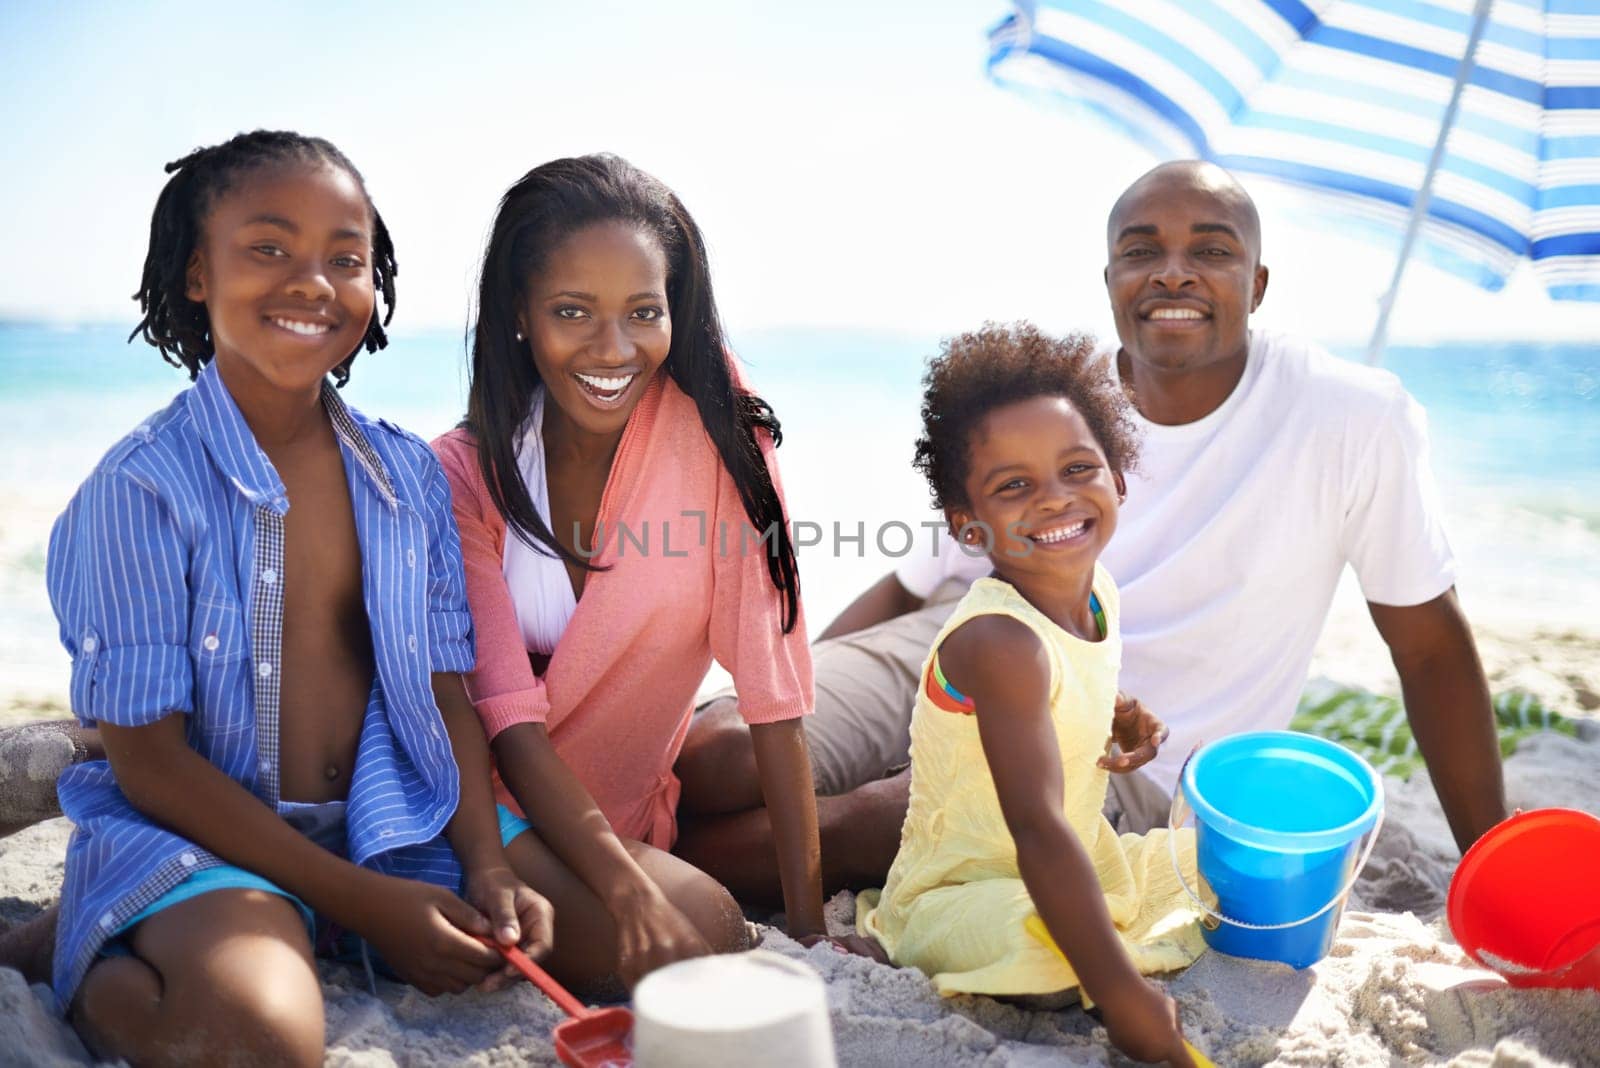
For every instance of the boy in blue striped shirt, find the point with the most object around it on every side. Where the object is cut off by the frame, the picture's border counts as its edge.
(262, 594)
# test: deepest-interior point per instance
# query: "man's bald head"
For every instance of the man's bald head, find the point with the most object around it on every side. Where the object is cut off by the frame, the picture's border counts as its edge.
(1188, 176)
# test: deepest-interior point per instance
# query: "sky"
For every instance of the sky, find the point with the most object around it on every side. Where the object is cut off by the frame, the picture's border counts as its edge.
(849, 162)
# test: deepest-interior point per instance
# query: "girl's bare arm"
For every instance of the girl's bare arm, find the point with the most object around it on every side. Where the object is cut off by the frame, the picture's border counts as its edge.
(1002, 666)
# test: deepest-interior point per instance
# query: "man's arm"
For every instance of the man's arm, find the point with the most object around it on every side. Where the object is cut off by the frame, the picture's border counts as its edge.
(1447, 702)
(882, 601)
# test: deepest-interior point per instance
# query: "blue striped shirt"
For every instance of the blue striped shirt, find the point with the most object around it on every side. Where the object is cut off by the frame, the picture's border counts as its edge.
(166, 574)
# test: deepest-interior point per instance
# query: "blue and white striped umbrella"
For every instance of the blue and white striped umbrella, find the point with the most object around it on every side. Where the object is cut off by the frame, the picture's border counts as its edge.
(1350, 97)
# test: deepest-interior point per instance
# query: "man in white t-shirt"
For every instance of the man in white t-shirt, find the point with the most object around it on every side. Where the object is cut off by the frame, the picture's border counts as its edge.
(1267, 465)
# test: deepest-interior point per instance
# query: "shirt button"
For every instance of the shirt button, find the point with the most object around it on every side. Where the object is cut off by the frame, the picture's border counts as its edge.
(210, 643)
(268, 575)
(411, 558)
(187, 860)
(265, 766)
(90, 644)
(265, 670)
(411, 642)
(107, 922)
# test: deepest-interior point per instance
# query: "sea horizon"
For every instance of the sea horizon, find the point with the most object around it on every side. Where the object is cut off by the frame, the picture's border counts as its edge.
(1515, 429)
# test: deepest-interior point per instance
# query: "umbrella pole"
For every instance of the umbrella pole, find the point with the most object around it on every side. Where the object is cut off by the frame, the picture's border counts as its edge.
(1419, 206)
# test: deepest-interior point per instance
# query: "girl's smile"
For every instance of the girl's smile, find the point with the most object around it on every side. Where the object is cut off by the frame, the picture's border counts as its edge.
(1061, 536)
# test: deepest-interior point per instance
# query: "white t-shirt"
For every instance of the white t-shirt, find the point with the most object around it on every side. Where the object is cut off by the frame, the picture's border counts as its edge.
(925, 568)
(1236, 529)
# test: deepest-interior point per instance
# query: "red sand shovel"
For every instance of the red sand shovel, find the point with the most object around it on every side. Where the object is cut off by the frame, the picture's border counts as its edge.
(593, 1038)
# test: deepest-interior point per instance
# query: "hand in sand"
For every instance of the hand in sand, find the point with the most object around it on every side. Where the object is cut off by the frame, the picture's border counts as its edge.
(1136, 732)
(850, 943)
(424, 933)
(517, 916)
(1142, 1022)
(652, 932)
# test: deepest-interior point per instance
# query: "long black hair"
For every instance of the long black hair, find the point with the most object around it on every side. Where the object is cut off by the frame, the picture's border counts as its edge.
(547, 205)
(180, 327)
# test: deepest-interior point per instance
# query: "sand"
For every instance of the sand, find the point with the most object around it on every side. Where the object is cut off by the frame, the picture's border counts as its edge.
(1396, 990)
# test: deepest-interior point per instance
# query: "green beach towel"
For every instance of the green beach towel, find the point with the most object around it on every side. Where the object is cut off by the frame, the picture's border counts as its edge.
(1374, 726)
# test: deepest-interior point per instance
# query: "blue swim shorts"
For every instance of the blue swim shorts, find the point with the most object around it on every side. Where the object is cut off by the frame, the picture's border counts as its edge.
(230, 877)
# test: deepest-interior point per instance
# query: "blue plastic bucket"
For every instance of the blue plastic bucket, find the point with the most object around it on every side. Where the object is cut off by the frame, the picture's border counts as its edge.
(1279, 818)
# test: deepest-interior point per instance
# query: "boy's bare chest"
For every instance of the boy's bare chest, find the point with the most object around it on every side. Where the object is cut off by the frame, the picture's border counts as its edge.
(321, 551)
(327, 641)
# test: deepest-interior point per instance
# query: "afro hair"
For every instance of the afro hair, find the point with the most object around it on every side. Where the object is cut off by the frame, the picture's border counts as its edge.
(975, 373)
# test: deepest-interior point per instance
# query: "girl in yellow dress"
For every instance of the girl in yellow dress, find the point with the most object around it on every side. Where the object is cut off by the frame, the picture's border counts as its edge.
(1005, 855)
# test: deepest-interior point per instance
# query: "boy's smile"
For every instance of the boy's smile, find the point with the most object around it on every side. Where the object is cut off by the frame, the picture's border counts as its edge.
(284, 268)
(1039, 482)
(301, 326)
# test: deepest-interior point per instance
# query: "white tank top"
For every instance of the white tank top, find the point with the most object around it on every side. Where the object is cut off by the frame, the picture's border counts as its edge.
(541, 593)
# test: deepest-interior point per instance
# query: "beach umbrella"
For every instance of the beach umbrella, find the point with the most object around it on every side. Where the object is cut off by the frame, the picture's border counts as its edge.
(1473, 126)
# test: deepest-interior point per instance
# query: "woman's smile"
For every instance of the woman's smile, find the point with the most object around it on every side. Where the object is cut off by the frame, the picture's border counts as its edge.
(607, 391)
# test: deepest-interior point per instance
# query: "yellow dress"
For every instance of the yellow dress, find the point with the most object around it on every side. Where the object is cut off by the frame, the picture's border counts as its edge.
(954, 904)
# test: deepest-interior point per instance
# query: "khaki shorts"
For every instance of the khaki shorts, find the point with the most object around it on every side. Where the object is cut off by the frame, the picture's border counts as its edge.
(866, 689)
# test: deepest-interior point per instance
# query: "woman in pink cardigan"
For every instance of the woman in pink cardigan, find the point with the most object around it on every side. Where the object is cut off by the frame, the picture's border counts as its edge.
(610, 481)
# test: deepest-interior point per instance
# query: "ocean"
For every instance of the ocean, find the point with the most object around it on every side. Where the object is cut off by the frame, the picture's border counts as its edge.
(1515, 430)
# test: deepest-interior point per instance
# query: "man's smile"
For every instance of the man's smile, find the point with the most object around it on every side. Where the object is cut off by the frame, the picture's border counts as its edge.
(1174, 313)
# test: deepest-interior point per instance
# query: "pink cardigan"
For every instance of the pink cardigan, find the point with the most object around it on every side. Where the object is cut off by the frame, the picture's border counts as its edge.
(619, 691)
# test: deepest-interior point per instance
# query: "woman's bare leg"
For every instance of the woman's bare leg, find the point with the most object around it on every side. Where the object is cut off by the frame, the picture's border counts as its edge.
(223, 978)
(717, 764)
(723, 826)
(859, 833)
(585, 953)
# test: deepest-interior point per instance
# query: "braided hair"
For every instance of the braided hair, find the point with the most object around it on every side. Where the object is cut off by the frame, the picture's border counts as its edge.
(545, 207)
(180, 327)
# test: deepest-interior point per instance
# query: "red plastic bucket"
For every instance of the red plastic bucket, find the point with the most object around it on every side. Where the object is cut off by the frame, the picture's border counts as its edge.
(1525, 900)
